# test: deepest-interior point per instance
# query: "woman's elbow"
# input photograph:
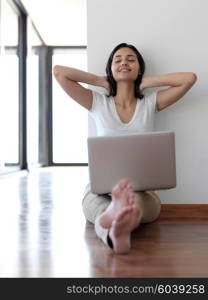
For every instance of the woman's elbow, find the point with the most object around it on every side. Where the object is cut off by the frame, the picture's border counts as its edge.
(56, 70)
(192, 78)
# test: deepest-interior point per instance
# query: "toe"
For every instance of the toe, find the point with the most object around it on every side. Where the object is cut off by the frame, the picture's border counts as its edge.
(131, 198)
(116, 191)
(123, 183)
(119, 187)
(125, 193)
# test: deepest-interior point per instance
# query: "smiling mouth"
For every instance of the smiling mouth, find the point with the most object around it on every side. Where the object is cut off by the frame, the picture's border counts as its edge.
(124, 70)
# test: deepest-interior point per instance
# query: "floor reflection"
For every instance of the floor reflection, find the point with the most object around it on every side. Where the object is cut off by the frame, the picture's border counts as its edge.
(141, 262)
(44, 257)
(43, 233)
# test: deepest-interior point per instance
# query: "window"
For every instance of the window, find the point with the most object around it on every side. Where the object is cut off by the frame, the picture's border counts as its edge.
(9, 86)
(70, 120)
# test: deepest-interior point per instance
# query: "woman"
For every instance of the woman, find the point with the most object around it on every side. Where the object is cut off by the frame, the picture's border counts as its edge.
(124, 111)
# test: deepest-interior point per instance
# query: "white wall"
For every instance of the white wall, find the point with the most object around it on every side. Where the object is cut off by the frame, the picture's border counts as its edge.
(172, 37)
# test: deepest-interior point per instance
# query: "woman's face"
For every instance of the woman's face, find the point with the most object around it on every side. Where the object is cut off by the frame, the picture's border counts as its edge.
(125, 65)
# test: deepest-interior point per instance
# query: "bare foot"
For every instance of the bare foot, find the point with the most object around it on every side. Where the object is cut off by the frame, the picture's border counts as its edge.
(122, 226)
(120, 199)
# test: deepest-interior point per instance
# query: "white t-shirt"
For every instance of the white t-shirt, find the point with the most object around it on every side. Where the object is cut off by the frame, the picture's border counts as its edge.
(108, 122)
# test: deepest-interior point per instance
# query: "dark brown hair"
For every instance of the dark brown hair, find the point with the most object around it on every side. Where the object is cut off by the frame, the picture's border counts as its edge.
(111, 80)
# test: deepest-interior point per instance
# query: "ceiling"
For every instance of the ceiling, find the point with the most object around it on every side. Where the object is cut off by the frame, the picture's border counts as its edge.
(59, 22)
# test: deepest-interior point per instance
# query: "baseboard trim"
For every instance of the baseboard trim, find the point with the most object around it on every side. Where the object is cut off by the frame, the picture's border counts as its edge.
(184, 211)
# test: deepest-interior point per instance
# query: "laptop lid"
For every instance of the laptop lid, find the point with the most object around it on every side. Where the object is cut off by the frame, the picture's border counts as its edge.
(147, 160)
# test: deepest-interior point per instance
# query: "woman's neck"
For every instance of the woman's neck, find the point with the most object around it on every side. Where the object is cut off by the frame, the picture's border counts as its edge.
(125, 94)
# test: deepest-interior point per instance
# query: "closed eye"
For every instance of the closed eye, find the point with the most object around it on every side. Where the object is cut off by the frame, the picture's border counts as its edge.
(131, 60)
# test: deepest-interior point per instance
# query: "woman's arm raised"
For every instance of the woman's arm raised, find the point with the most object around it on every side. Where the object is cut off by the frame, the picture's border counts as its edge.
(68, 78)
(179, 84)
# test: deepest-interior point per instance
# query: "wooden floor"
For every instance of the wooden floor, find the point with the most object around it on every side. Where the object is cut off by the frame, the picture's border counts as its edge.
(43, 233)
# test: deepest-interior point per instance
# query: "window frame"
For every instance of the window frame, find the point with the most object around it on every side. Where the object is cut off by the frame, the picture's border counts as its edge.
(45, 54)
(21, 51)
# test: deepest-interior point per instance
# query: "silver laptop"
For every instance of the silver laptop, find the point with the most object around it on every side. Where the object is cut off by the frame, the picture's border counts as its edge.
(147, 160)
